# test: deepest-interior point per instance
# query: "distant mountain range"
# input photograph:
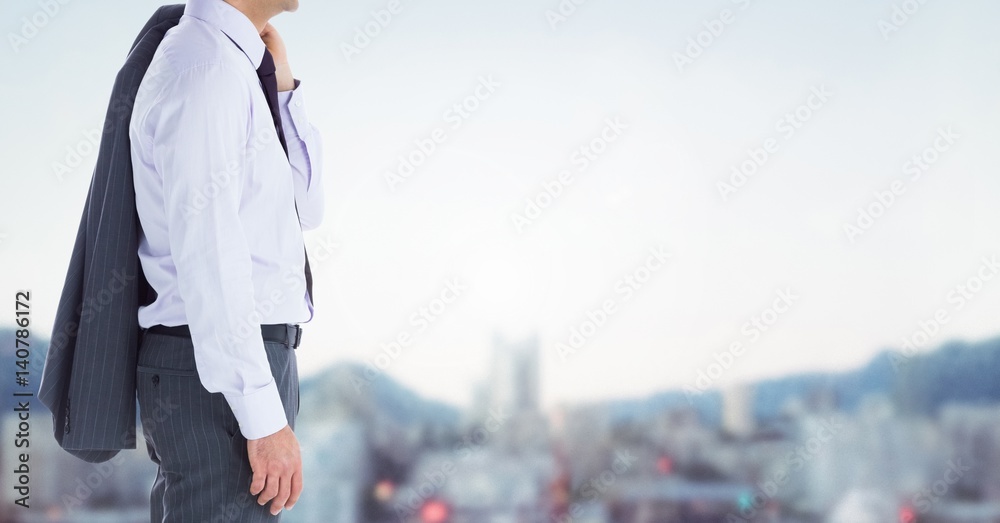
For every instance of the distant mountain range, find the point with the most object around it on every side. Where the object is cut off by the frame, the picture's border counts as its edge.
(956, 372)
(334, 385)
(347, 385)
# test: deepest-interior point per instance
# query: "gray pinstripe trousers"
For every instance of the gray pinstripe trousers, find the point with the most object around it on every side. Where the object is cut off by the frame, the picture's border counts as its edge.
(203, 472)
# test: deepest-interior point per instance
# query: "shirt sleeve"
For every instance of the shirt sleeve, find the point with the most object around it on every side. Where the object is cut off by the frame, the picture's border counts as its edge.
(199, 146)
(305, 154)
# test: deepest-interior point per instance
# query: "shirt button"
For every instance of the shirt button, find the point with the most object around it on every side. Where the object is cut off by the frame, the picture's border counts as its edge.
(298, 103)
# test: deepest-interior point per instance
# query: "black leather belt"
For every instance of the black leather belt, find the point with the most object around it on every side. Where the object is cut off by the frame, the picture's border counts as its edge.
(288, 334)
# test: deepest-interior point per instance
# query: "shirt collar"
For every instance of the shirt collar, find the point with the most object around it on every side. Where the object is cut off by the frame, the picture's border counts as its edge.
(232, 22)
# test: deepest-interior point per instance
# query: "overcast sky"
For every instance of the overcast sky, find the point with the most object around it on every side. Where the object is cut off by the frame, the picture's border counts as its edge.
(864, 97)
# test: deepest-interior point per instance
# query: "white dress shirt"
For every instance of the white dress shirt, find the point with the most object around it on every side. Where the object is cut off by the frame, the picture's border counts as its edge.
(216, 198)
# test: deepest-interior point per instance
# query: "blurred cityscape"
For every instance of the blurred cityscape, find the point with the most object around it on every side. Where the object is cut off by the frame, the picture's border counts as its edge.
(910, 438)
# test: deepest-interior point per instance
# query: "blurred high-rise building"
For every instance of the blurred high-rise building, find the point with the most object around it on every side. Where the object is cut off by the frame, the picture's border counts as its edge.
(737, 409)
(514, 374)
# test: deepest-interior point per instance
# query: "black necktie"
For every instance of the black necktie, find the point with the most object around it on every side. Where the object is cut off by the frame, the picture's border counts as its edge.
(269, 82)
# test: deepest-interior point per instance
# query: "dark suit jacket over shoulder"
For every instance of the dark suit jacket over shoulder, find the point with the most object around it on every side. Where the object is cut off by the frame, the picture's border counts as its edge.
(88, 381)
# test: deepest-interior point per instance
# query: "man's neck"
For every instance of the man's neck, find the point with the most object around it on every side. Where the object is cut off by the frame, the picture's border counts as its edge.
(258, 14)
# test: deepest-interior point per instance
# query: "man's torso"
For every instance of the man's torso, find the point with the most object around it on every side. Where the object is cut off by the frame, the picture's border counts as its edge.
(266, 211)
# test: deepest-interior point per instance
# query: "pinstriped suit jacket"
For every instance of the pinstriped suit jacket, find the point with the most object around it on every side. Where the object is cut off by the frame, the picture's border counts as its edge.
(88, 381)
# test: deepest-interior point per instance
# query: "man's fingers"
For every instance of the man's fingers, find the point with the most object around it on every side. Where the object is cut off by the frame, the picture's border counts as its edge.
(277, 467)
(283, 490)
(270, 490)
(296, 489)
(257, 484)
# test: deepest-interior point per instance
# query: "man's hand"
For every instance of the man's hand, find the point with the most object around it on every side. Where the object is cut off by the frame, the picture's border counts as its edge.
(282, 71)
(277, 469)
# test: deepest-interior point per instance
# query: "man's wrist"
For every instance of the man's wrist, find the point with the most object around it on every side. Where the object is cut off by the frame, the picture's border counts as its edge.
(283, 73)
(260, 413)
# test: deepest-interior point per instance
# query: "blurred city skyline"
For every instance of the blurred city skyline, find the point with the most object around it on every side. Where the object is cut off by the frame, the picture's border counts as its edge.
(874, 99)
(908, 438)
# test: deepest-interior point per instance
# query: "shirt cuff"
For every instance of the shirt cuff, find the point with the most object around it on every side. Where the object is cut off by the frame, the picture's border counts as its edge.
(293, 112)
(259, 413)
